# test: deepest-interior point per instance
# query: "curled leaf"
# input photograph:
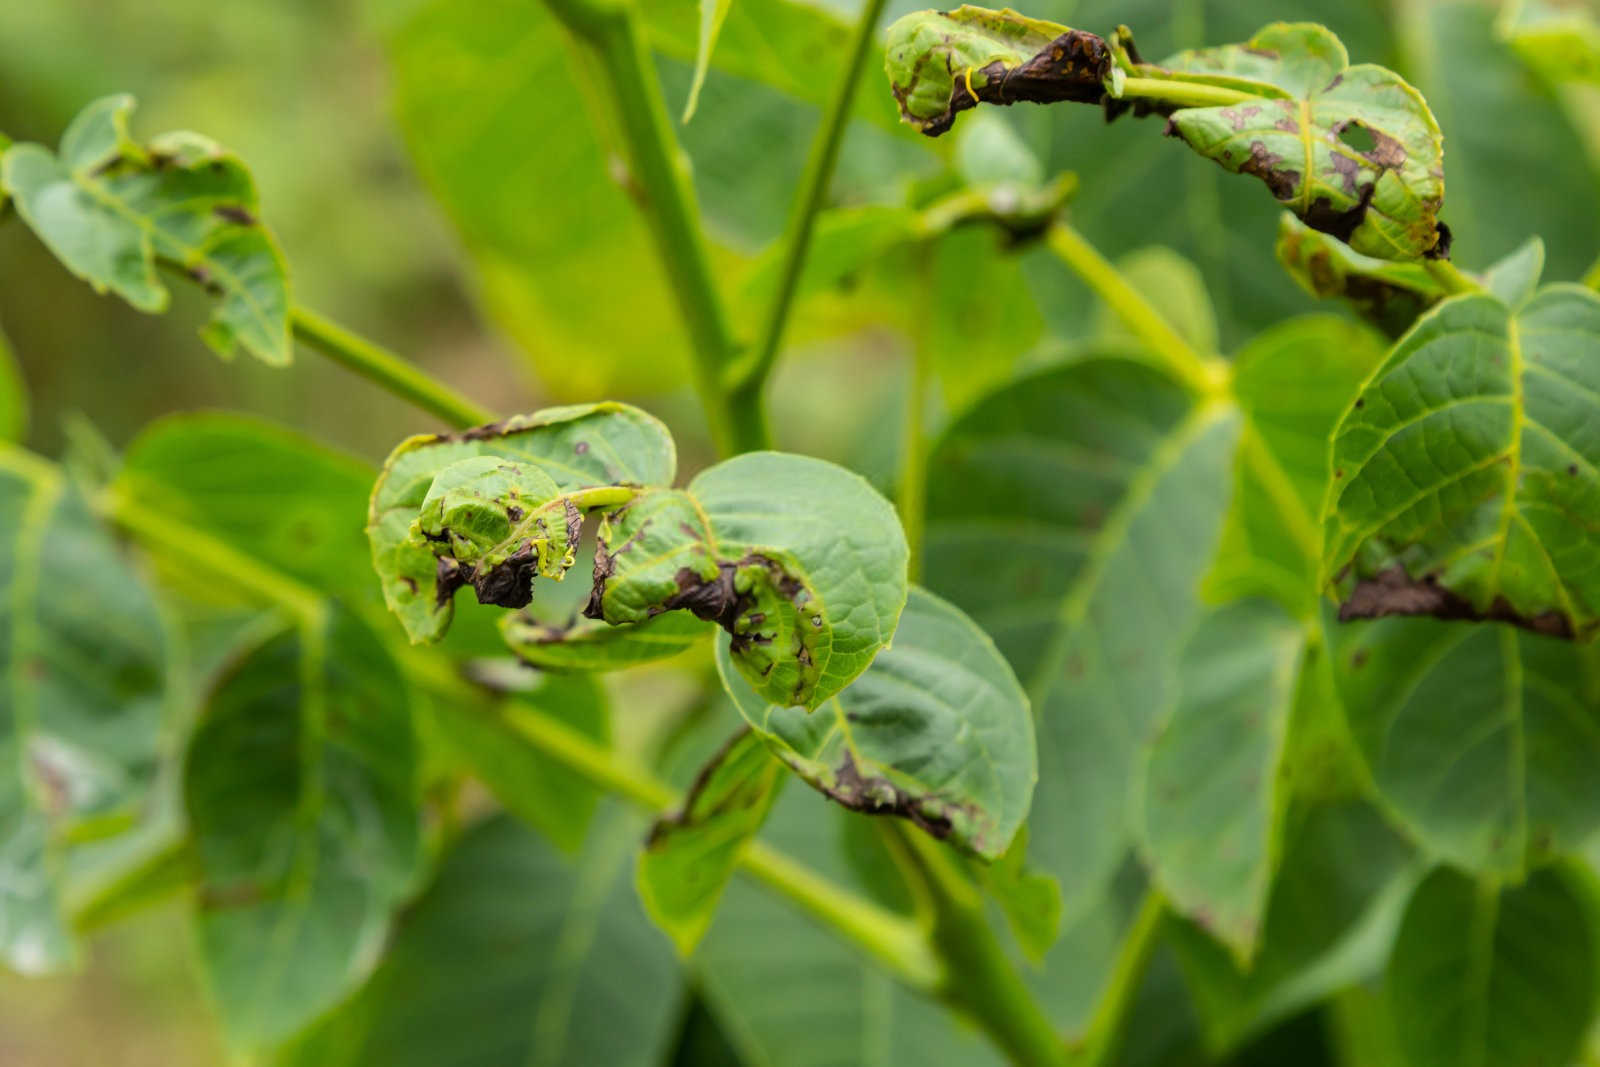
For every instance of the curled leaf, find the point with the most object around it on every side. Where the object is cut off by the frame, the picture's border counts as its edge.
(111, 210)
(941, 63)
(593, 645)
(1389, 294)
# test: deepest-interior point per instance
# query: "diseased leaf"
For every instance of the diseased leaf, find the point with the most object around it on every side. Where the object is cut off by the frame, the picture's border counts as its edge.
(544, 793)
(515, 954)
(936, 731)
(1096, 494)
(1483, 976)
(111, 210)
(570, 448)
(1210, 809)
(1352, 150)
(691, 853)
(593, 645)
(1030, 898)
(82, 694)
(802, 562)
(941, 63)
(1467, 475)
(301, 789)
(1481, 739)
(1389, 294)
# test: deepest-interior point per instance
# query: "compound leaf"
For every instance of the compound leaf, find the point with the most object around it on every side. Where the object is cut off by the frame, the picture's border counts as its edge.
(937, 731)
(111, 210)
(1467, 475)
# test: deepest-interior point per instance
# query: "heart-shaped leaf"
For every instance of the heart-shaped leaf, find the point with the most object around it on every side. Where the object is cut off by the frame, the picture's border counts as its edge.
(111, 210)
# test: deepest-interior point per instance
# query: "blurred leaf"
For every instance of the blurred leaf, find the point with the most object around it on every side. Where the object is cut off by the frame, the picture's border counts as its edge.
(111, 210)
(82, 667)
(1177, 290)
(691, 853)
(1561, 40)
(1095, 493)
(1482, 975)
(800, 561)
(13, 396)
(975, 334)
(546, 794)
(936, 731)
(592, 645)
(1463, 473)
(1515, 279)
(1354, 151)
(1388, 294)
(713, 13)
(1333, 914)
(1211, 810)
(581, 446)
(1293, 382)
(1030, 899)
(515, 954)
(301, 790)
(1480, 738)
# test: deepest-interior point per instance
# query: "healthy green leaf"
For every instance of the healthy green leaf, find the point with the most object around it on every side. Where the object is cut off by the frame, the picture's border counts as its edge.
(691, 853)
(941, 63)
(1466, 473)
(592, 645)
(301, 790)
(516, 954)
(1096, 493)
(1388, 294)
(13, 396)
(542, 792)
(82, 694)
(1480, 738)
(569, 448)
(1211, 811)
(802, 562)
(713, 13)
(112, 210)
(936, 731)
(1030, 898)
(1353, 151)
(1485, 976)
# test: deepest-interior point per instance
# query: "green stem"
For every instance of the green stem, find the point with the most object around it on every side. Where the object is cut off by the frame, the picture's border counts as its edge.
(1206, 374)
(660, 173)
(980, 978)
(911, 496)
(1592, 277)
(1451, 276)
(1103, 1037)
(1182, 93)
(386, 369)
(750, 377)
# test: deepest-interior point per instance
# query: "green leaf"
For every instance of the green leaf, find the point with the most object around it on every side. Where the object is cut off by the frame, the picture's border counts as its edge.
(936, 731)
(1480, 738)
(691, 853)
(1210, 808)
(1094, 493)
(941, 63)
(1560, 41)
(573, 448)
(1515, 279)
(1483, 976)
(302, 798)
(111, 210)
(1353, 151)
(515, 954)
(591, 645)
(82, 694)
(1388, 294)
(1030, 898)
(1464, 474)
(802, 562)
(713, 13)
(13, 396)
(544, 793)
(1175, 286)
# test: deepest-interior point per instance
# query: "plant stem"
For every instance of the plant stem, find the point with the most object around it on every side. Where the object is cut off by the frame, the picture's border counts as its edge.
(1592, 277)
(1205, 374)
(912, 493)
(980, 979)
(1183, 93)
(660, 174)
(749, 377)
(1104, 1035)
(1451, 276)
(386, 369)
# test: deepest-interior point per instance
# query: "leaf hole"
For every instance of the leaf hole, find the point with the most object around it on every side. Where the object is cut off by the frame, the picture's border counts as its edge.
(1356, 136)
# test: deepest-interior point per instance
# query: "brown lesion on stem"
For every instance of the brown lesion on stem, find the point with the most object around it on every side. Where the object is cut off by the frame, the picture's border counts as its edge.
(1394, 592)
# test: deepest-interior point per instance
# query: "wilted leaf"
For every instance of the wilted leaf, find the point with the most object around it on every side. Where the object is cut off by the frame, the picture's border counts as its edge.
(301, 788)
(1465, 477)
(1481, 739)
(691, 853)
(1353, 151)
(936, 731)
(82, 665)
(1387, 293)
(592, 645)
(515, 954)
(1483, 976)
(111, 210)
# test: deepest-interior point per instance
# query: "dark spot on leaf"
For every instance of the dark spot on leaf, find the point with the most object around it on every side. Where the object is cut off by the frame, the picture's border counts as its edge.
(449, 579)
(514, 513)
(1394, 592)
(1572, 469)
(1264, 164)
(1360, 658)
(1361, 402)
(876, 795)
(581, 447)
(234, 214)
(1070, 68)
(509, 585)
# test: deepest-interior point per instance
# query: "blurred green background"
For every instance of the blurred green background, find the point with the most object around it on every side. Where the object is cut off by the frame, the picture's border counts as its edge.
(526, 283)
